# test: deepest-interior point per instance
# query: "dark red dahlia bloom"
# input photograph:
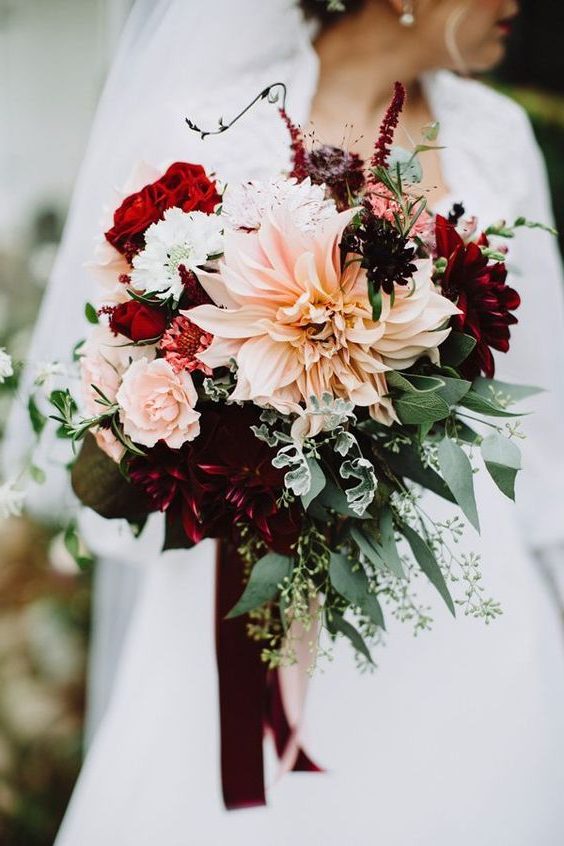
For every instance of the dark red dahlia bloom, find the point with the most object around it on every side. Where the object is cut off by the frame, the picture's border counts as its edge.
(184, 185)
(480, 291)
(222, 479)
(138, 321)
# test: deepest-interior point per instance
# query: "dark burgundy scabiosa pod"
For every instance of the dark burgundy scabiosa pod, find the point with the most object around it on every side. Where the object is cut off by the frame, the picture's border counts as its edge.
(481, 293)
(385, 253)
(341, 171)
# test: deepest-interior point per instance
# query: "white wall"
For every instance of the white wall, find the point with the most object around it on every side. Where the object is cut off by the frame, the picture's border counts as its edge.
(53, 59)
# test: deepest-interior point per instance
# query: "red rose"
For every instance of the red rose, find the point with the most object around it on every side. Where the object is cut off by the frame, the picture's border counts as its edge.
(138, 321)
(184, 185)
(480, 291)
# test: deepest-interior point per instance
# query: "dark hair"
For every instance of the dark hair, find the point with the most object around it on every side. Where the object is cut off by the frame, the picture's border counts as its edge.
(317, 9)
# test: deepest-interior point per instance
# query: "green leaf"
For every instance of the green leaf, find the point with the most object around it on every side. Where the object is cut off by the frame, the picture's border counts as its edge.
(37, 474)
(387, 548)
(488, 388)
(38, 420)
(488, 407)
(428, 563)
(375, 298)
(337, 623)
(503, 461)
(457, 473)
(317, 482)
(407, 463)
(74, 547)
(413, 383)
(419, 408)
(333, 497)
(456, 348)
(367, 546)
(352, 583)
(90, 313)
(264, 583)
(466, 434)
(454, 390)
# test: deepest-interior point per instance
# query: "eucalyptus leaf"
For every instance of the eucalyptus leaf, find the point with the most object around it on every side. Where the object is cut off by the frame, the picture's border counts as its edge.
(407, 463)
(419, 408)
(352, 583)
(264, 583)
(387, 548)
(428, 563)
(457, 473)
(406, 164)
(502, 458)
(75, 549)
(413, 383)
(367, 546)
(337, 624)
(488, 388)
(456, 348)
(454, 390)
(482, 405)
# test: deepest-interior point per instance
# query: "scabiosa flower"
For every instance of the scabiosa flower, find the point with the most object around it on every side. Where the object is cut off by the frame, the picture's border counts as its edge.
(385, 252)
(245, 206)
(342, 172)
(187, 239)
(182, 342)
(483, 298)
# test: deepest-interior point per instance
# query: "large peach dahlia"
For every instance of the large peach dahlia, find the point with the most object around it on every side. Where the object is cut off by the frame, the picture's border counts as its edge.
(298, 322)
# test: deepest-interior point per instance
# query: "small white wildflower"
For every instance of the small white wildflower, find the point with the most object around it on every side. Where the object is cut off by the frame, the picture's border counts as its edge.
(6, 366)
(46, 372)
(11, 500)
(245, 205)
(187, 239)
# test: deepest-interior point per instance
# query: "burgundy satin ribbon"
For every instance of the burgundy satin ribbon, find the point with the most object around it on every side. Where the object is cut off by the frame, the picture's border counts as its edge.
(250, 699)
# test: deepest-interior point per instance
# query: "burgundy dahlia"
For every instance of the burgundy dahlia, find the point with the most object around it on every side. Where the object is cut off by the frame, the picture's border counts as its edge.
(222, 480)
(480, 291)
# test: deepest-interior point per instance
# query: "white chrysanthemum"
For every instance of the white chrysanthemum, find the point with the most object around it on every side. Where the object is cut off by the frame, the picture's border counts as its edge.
(6, 366)
(245, 205)
(11, 500)
(188, 239)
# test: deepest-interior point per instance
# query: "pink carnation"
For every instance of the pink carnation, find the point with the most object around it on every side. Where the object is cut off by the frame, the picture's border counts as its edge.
(384, 205)
(182, 342)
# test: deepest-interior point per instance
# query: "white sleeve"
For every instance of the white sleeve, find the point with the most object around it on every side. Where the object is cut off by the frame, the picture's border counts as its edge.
(536, 356)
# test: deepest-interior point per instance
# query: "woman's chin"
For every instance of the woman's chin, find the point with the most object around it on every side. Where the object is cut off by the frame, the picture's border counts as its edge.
(489, 58)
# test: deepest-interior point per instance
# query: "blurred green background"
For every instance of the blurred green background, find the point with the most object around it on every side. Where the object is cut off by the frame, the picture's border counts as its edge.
(53, 58)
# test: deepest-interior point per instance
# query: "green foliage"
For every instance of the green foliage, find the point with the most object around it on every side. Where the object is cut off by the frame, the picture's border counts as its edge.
(428, 563)
(264, 583)
(351, 582)
(457, 473)
(502, 458)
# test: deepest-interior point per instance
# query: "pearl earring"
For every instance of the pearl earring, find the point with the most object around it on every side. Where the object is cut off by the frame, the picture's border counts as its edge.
(407, 17)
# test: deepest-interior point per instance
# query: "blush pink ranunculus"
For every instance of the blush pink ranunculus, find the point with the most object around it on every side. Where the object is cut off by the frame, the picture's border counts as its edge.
(157, 404)
(299, 323)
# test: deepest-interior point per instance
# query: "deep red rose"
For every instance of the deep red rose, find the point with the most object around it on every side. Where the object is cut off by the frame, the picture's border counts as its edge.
(138, 321)
(223, 479)
(480, 291)
(184, 185)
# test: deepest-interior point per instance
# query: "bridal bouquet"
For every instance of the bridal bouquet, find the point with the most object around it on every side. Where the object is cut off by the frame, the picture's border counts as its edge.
(286, 365)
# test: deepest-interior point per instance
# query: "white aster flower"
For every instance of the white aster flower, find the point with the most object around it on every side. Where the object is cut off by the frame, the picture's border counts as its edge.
(245, 205)
(6, 366)
(188, 239)
(11, 500)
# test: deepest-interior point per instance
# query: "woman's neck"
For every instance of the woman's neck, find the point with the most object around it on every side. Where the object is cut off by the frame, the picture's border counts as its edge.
(360, 58)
